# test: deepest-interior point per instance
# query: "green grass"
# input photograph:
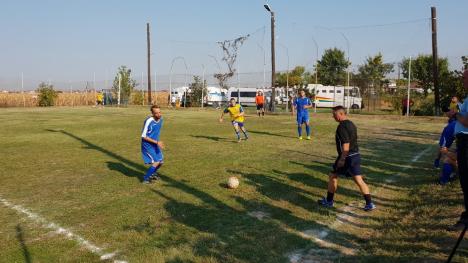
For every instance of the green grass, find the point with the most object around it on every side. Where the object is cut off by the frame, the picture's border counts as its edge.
(81, 168)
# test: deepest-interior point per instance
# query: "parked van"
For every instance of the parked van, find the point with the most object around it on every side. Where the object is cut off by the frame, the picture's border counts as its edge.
(215, 96)
(331, 96)
(245, 96)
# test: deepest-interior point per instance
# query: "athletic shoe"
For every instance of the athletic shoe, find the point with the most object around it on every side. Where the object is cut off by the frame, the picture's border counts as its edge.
(155, 177)
(308, 137)
(146, 182)
(300, 137)
(239, 140)
(323, 202)
(369, 207)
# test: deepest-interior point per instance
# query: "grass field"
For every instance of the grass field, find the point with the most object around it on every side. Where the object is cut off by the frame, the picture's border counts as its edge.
(80, 169)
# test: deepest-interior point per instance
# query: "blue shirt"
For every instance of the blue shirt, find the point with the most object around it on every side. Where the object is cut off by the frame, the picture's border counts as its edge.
(300, 103)
(459, 128)
(151, 129)
(447, 137)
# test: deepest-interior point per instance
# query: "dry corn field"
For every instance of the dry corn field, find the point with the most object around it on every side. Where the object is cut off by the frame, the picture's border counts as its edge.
(69, 99)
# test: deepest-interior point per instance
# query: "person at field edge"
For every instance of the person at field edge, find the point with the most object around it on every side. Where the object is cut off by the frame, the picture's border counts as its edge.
(461, 133)
(348, 162)
(405, 104)
(259, 101)
(301, 105)
(151, 145)
(236, 112)
(455, 104)
(447, 151)
(99, 99)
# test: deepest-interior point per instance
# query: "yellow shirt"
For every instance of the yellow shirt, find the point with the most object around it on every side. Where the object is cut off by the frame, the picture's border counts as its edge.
(99, 97)
(235, 111)
(453, 106)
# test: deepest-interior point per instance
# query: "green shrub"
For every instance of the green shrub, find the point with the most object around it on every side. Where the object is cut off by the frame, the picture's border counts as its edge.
(137, 97)
(47, 95)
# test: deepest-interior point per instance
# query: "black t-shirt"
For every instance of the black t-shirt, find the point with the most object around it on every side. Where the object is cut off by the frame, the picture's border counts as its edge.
(346, 132)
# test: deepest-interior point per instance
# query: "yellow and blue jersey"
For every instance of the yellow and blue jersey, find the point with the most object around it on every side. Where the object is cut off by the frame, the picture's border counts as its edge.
(234, 112)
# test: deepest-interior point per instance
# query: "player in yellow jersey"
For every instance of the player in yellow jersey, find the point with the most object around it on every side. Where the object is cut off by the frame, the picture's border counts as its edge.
(237, 118)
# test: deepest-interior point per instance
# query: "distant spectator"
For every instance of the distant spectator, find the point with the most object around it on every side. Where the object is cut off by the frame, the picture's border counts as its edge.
(447, 151)
(99, 99)
(455, 104)
(405, 105)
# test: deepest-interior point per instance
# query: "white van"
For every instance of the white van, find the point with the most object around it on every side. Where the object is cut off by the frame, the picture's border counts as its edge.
(215, 96)
(331, 96)
(244, 96)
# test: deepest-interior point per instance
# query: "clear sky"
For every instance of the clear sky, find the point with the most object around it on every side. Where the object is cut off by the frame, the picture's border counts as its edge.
(63, 41)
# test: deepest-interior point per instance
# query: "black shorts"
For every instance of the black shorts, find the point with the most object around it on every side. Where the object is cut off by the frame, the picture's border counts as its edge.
(259, 106)
(351, 168)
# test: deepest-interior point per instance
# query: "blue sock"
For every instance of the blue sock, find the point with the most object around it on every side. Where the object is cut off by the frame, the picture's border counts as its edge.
(299, 130)
(149, 172)
(446, 172)
(308, 130)
(238, 136)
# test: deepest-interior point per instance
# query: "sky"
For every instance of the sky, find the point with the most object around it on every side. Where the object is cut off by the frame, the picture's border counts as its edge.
(64, 41)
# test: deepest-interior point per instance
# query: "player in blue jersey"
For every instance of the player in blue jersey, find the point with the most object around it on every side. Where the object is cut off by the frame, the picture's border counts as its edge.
(151, 146)
(301, 106)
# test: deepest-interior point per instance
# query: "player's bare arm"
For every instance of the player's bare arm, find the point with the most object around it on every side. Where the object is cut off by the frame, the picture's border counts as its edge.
(344, 154)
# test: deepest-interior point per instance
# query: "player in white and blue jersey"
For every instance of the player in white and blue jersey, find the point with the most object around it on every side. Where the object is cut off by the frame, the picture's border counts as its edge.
(151, 146)
(301, 105)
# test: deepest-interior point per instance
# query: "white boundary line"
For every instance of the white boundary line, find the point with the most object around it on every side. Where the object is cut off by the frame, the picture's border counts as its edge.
(63, 231)
(341, 215)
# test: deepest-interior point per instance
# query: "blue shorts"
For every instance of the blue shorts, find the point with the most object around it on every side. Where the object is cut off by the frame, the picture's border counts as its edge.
(151, 153)
(241, 124)
(302, 118)
(351, 168)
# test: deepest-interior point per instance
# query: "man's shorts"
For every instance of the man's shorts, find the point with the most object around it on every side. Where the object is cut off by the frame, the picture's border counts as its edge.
(151, 153)
(352, 166)
(259, 106)
(240, 124)
(302, 118)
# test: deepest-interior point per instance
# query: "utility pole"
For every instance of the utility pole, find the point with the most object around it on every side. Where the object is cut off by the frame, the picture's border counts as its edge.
(435, 61)
(273, 72)
(149, 61)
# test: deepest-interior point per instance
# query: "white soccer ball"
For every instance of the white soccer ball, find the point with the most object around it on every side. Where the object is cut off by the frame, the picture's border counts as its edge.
(232, 182)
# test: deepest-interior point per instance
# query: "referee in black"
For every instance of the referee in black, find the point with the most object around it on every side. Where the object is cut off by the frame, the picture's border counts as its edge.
(348, 162)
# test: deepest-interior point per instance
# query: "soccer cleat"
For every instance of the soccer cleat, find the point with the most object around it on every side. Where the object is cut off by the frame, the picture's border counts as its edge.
(323, 202)
(308, 137)
(300, 137)
(146, 182)
(155, 177)
(369, 207)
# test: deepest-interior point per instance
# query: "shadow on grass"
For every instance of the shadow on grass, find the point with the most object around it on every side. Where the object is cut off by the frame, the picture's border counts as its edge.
(213, 138)
(270, 134)
(24, 248)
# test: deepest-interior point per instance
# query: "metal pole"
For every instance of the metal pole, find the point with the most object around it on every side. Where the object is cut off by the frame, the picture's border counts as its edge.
(203, 85)
(118, 95)
(273, 72)
(435, 60)
(149, 61)
(316, 60)
(409, 86)
(142, 87)
(71, 94)
(94, 84)
(22, 89)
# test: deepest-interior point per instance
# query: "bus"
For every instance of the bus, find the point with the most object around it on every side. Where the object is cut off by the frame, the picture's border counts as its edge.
(331, 96)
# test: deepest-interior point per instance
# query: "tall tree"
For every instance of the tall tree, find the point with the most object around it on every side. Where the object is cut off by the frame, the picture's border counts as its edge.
(127, 84)
(374, 71)
(296, 77)
(197, 88)
(421, 70)
(332, 67)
